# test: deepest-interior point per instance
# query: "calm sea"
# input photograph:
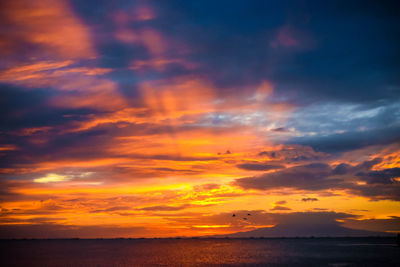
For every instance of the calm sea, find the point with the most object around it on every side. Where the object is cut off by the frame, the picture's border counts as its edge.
(201, 252)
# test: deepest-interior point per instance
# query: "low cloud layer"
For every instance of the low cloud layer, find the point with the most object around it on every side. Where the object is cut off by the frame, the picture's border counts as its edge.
(358, 180)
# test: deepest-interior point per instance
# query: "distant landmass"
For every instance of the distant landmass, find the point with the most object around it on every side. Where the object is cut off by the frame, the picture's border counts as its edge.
(311, 230)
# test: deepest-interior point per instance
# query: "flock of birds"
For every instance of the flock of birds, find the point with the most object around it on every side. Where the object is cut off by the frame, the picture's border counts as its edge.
(244, 218)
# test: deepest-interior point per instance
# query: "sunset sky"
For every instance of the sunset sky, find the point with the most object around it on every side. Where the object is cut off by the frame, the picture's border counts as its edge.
(164, 118)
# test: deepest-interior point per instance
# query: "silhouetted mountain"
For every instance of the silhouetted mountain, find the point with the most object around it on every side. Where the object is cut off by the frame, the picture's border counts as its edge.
(302, 230)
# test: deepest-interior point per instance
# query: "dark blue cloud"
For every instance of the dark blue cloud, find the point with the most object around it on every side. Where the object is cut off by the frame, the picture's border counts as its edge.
(348, 49)
(351, 58)
(258, 166)
(20, 108)
(351, 140)
(385, 176)
(319, 176)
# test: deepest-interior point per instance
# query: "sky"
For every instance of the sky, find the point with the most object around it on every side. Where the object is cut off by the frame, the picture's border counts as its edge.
(164, 118)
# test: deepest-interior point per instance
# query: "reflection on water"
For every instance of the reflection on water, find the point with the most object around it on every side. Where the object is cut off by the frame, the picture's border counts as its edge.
(201, 252)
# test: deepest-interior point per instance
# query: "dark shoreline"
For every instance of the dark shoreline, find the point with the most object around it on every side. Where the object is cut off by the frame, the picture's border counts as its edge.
(206, 238)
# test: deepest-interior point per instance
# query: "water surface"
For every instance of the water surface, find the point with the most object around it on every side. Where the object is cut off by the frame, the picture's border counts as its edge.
(201, 252)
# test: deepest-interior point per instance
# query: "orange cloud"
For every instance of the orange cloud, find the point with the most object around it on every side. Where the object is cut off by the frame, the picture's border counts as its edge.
(87, 87)
(8, 147)
(48, 73)
(51, 25)
(137, 13)
(173, 99)
(160, 64)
